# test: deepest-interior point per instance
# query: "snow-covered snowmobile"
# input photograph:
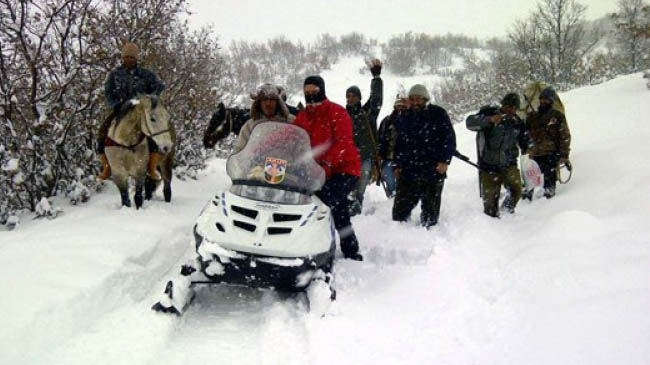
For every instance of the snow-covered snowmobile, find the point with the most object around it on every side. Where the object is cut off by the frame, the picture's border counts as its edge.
(269, 230)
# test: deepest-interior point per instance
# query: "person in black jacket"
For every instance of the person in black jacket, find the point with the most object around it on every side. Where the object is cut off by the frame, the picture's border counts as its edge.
(364, 119)
(425, 145)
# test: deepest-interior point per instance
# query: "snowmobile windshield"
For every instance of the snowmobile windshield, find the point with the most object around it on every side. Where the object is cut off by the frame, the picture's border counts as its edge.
(276, 165)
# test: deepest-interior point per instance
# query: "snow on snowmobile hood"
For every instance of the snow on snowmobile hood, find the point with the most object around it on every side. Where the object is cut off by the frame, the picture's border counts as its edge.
(279, 156)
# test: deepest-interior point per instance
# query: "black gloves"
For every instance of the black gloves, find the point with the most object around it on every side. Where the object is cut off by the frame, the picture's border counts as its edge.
(375, 67)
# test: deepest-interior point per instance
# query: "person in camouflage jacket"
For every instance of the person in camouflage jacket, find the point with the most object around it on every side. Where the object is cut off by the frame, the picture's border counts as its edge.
(551, 139)
(364, 118)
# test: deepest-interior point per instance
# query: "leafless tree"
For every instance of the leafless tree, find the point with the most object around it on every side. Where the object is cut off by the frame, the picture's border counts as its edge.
(632, 21)
(553, 40)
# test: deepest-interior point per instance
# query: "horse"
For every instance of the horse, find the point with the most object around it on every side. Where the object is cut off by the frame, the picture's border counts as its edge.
(127, 149)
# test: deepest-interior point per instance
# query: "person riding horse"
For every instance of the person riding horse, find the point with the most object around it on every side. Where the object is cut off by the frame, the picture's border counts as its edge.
(122, 85)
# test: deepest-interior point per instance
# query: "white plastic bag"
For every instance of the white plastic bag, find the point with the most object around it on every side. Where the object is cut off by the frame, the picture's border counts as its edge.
(532, 174)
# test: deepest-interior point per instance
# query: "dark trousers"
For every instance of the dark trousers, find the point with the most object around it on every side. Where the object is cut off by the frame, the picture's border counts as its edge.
(491, 189)
(411, 191)
(548, 165)
(335, 195)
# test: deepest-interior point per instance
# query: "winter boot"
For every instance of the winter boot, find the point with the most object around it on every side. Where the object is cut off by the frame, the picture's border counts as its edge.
(152, 166)
(508, 205)
(106, 168)
(549, 192)
(491, 212)
(527, 195)
(350, 248)
(356, 256)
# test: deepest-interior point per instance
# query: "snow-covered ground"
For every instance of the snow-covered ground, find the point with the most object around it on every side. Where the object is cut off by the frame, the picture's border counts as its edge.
(562, 281)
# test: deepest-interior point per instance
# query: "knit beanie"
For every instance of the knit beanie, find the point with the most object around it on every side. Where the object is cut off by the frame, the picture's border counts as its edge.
(548, 94)
(317, 81)
(511, 99)
(419, 90)
(130, 49)
(353, 90)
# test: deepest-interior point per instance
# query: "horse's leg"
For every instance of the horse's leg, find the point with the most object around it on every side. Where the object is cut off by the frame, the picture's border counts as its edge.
(123, 186)
(137, 197)
(167, 177)
(149, 187)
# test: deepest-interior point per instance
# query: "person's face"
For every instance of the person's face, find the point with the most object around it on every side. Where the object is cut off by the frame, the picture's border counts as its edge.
(417, 102)
(129, 61)
(269, 106)
(311, 90)
(509, 109)
(352, 99)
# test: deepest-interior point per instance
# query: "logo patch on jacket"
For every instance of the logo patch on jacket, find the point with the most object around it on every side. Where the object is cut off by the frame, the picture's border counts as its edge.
(274, 170)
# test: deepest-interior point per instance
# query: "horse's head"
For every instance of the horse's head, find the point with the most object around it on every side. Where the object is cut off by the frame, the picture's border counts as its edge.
(156, 123)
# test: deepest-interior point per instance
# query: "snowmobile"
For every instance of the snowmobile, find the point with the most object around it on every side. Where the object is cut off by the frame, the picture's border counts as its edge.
(268, 230)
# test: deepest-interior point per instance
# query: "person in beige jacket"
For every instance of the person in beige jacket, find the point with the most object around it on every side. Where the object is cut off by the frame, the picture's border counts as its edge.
(268, 106)
(550, 137)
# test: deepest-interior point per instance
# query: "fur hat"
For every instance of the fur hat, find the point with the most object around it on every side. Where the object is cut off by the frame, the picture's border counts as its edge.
(511, 99)
(419, 90)
(130, 49)
(268, 91)
(283, 93)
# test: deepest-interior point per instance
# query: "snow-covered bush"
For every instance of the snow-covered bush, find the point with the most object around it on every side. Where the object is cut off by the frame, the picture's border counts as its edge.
(78, 193)
(51, 98)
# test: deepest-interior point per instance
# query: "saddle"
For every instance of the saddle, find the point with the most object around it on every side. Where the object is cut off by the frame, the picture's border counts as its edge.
(118, 116)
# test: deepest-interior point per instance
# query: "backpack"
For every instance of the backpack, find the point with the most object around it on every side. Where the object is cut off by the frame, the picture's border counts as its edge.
(531, 99)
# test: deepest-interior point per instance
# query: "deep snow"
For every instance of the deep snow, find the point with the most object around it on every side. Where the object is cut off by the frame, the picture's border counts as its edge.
(562, 281)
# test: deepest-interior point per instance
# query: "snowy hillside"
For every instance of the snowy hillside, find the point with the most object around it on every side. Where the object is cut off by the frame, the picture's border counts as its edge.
(565, 281)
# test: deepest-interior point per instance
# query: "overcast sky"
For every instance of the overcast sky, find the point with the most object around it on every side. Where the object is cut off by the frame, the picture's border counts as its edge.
(305, 19)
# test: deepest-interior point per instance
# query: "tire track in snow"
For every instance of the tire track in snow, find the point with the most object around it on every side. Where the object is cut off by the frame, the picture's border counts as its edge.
(238, 325)
(62, 329)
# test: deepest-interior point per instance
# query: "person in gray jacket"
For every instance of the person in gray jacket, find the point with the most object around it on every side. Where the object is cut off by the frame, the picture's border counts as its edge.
(501, 133)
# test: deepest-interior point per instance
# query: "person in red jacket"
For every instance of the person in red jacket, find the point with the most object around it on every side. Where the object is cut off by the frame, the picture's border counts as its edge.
(330, 130)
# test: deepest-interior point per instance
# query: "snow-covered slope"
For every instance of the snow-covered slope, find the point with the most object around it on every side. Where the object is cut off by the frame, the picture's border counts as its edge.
(563, 281)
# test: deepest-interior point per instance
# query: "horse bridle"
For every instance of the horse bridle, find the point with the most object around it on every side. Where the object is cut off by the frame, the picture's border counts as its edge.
(149, 134)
